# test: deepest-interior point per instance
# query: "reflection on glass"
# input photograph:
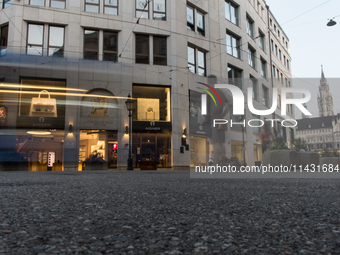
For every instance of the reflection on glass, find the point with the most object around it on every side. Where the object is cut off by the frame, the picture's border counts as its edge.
(35, 34)
(91, 44)
(111, 2)
(142, 15)
(190, 18)
(159, 50)
(110, 46)
(37, 2)
(35, 39)
(110, 7)
(6, 3)
(56, 37)
(159, 9)
(142, 5)
(58, 4)
(111, 11)
(92, 8)
(142, 49)
(34, 50)
(201, 63)
(191, 59)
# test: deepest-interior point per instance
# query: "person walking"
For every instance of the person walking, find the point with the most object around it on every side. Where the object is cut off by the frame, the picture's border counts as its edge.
(211, 158)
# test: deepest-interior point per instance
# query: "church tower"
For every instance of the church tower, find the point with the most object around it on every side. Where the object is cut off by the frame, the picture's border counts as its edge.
(325, 100)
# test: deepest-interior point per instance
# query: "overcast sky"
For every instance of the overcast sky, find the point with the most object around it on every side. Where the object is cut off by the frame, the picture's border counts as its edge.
(312, 44)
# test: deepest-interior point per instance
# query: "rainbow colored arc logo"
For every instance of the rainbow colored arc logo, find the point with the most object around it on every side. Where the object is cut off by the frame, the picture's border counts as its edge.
(209, 93)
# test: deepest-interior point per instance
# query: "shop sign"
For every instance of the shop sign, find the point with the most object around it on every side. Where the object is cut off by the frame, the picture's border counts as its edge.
(152, 126)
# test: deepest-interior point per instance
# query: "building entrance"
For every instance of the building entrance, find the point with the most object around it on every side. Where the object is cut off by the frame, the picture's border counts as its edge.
(101, 143)
(151, 149)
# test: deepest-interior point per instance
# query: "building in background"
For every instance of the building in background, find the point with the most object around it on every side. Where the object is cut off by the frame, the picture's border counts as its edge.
(67, 66)
(325, 99)
(322, 132)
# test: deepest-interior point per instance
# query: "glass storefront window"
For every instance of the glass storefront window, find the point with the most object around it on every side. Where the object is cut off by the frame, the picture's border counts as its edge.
(150, 148)
(102, 143)
(152, 103)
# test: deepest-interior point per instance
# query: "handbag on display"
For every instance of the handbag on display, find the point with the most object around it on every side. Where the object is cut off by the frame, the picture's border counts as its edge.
(43, 106)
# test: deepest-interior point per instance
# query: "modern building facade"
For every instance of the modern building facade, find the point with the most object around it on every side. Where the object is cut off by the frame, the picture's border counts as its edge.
(67, 67)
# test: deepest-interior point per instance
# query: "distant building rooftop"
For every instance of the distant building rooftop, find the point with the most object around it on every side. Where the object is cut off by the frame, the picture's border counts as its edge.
(315, 123)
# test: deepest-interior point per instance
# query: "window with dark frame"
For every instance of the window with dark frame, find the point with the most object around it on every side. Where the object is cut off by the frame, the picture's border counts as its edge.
(3, 40)
(110, 46)
(190, 18)
(142, 49)
(261, 40)
(231, 12)
(250, 27)
(280, 54)
(199, 65)
(195, 20)
(251, 57)
(37, 2)
(6, 3)
(159, 50)
(253, 85)
(272, 44)
(92, 6)
(56, 41)
(276, 51)
(61, 4)
(35, 35)
(235, 76)
(111, 7)
(91, 44)
(142, 9)
(159, 9)
(191, 59)
(200, 23)
(263, 68)
(233, 45)
(265, 95)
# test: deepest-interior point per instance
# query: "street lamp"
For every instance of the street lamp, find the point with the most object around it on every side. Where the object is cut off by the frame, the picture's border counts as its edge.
(129, 106)
(243, 146)
(331, 23)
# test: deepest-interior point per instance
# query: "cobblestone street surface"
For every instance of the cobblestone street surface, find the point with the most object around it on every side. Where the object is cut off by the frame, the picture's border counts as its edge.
(166, 212)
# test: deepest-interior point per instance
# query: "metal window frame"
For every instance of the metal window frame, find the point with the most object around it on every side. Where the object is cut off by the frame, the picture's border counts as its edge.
(90, 50)
(158, 12)
(57, 1)
(111, 51)
(37, 45)
(54, 47)
(93, 4)
(111, 7)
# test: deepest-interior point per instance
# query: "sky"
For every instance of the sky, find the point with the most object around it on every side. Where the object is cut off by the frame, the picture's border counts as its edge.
(312, 44)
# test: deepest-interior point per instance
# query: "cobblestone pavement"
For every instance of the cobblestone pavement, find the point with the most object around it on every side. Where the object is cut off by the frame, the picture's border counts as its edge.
(165, 212)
